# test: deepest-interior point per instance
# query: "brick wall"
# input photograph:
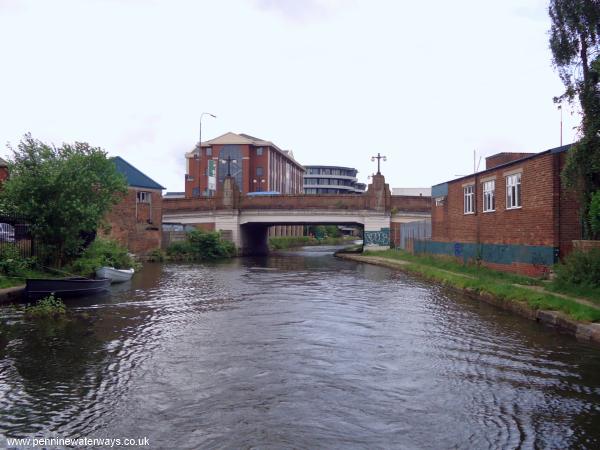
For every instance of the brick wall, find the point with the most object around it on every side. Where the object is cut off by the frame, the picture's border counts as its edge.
(532, 224)
(137, 226)
(300, 201)
(3, 173)
(503, 158)
(408, 203)
(570, 227)
(548, 216)
(174, 205)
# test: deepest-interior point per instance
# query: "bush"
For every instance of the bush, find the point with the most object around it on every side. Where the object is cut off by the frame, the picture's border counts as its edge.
(595, 213)
(103, 252)
(283, 242)
(580, 268)
(201, 245)
(156, 255)
(45, 308)
(12, 263)
(180, 250)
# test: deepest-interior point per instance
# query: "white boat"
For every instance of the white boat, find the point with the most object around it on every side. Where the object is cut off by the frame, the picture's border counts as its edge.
(115, 275)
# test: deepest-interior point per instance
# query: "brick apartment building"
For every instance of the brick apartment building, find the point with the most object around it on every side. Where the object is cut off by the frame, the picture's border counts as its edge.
(514, 216)
(135, 222)
(257, 166)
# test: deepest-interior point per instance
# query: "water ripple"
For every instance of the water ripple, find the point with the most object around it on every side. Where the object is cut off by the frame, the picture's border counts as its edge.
(298, 351)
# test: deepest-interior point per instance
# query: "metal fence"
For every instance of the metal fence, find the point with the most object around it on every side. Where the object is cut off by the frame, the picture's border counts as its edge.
(15, 234)
(414, 230)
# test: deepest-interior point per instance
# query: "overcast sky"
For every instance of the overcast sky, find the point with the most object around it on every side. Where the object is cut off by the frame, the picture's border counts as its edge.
(336, 81)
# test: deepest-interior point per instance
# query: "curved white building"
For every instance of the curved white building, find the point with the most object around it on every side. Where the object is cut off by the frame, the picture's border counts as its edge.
(332, 180)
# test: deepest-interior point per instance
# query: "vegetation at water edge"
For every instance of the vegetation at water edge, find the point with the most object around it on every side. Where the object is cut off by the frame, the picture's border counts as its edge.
(47, 308)
(201, 245)
(103, 252)
(579, 275)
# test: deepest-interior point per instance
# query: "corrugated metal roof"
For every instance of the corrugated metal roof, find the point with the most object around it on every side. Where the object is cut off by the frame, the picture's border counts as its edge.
(134, 177)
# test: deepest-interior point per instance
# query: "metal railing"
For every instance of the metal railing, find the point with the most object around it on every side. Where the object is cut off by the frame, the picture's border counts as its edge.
(15, 233)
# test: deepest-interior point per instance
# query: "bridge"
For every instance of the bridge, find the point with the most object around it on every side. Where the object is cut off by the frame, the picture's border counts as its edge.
(245, 220)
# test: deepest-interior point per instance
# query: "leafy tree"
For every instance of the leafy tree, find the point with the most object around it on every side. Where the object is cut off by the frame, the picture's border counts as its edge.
(64, 192)
(575, 45)
(332, 231)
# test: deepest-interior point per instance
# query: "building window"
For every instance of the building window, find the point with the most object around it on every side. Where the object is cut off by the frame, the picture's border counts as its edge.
(439, 201)
(259, 171)
(208, 151)
(513, 191)
(259, 151)
(489, 197)
(469, 192)
(143, 197)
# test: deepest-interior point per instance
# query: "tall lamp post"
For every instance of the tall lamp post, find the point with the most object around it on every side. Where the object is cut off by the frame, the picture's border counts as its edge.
(259, 181)
(200, 144)
(378, 158)
(228, 161)
(200, 132)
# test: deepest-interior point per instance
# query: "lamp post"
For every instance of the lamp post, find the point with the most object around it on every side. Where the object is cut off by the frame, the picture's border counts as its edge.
(228, 161)
(200, 145)
(259, 181)
(378, 158)
(200, 132)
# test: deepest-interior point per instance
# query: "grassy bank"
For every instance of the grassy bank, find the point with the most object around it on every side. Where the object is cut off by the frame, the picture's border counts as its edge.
(480, 280)
(284, 242)
(11, 281)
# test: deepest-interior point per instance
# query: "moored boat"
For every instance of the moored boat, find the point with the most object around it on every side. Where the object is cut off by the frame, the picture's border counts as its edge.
(36, 288)
(115, 275)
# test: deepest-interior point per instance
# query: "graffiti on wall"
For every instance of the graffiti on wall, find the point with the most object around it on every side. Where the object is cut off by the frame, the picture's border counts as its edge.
(381, 237)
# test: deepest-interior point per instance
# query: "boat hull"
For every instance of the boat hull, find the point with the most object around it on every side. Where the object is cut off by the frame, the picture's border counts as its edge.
(114, 275)
(36, 288)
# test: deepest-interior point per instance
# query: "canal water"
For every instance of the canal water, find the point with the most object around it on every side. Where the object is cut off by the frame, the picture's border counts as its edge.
(297, 350)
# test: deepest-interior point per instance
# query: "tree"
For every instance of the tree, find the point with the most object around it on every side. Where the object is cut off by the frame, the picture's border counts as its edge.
(575, 45)
(63, 191)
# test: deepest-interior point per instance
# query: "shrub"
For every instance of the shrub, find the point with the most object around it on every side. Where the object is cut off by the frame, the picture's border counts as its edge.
(156, 255)
(595, 213)
(580, 268)
(45, 308)
(180, 250)
(201, 245)
(103, 252)
(283, 242)
(12, 263)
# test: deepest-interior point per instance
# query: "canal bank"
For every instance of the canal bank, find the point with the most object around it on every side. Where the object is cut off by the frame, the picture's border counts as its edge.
(560, 312)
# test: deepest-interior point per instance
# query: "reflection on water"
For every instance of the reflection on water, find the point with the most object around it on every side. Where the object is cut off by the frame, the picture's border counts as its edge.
(297, 350)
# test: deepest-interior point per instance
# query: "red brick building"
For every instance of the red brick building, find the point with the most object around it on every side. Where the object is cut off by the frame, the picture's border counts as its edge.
(256, 164)
(3, 170)
(135, 222)
(515, 215)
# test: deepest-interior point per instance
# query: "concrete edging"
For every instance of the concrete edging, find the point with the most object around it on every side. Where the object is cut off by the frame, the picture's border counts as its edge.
(583, 331)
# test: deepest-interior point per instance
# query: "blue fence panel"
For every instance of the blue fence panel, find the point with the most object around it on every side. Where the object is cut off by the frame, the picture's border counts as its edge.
(494, 253)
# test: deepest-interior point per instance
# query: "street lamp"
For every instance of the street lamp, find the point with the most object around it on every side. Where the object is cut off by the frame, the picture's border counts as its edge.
(228, 161)
(259, 181)
(200, 133)
(378, 158)
(200, 145)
